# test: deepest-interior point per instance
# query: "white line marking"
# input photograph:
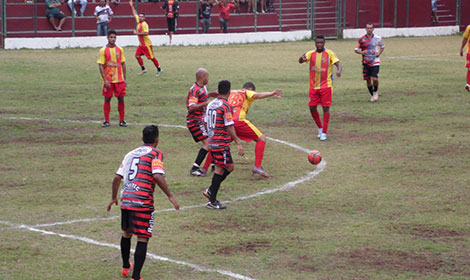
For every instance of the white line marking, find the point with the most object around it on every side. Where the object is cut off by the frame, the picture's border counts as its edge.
(150, 255)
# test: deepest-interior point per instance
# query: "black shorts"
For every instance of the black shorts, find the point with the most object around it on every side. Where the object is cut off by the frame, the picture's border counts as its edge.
(58, 16)
(221, 157)
(138, 223)
(171, 24)
(198, 131)
(370, 71)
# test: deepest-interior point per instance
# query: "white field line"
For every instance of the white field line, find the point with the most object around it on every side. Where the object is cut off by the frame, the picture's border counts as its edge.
(114, 246)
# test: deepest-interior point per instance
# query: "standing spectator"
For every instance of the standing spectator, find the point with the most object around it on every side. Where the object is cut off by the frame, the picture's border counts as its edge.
(224, 14)
(53, 11)
(78, 2)
(205, 15)
(434, 17)
(262, 6)
(171, 7)
(466, 43)
(104, 15)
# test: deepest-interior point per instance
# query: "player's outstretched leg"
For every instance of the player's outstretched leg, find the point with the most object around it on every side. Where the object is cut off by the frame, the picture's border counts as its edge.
(220, 173)
(316, 118)
(467, 87)
(141, 64)
(195, 170)
(259, 154)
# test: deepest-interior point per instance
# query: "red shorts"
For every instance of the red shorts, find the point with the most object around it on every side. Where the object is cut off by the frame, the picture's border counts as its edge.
(119, 90)
(320, 97)
(247, 131)
(198, 131)
(221, 157)
(145, 50)
(138, 223)
(468, 60)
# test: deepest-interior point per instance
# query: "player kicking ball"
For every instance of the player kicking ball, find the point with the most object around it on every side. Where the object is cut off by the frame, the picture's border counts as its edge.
(141, 169)
(241, 101)
(220, 128)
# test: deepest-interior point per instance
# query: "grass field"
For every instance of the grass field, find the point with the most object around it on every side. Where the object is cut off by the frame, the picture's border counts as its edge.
(391, 203)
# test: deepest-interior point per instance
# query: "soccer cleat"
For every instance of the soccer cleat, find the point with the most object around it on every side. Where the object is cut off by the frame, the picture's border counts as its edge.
(372, 98)
(215, 205)
(123, 123)
(467, 87)
(375, 96)
(323, 137)
(142, 72)
(203, 171)
(159, 73)
(320, 131)
(207, 193)
(195, 171)
(105, 124)
(125, 271)
(260, 171)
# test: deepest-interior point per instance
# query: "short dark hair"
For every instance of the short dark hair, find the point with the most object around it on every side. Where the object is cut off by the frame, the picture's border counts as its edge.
(150, 134)
(320, 37)
(224, 87)
(370, 23)
(112, 31)
(249, 85)
(142, 14)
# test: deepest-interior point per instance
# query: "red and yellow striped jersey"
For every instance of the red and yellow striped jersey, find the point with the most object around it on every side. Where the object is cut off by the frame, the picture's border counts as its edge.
(321, 72)
(196, 95)
(218, 117)
(143, 27)
(466, 35)
(241, 101)
(112, 58)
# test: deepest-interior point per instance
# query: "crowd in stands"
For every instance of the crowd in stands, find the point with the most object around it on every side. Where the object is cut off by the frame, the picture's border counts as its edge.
(103, 12)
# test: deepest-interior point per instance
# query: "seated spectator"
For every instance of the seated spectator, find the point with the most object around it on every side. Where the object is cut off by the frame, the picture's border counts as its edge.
(53, 11)
(104, 15)
(224, 13)
(205, 15)
(78, 2)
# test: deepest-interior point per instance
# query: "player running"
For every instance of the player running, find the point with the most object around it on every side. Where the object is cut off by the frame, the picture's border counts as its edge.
(141, 169)
(196, 103)
(241, 101)
(371, 46)
(321, 82)
(466, 42)
(112, 65)
(220, 129)
(145, 45)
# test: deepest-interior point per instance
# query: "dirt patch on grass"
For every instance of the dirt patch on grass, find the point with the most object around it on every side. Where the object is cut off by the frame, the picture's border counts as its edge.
(347, 137)
(252, 246)
(303, 264)
(392, 260)
(412, 93)
(426, 232)
(350, 118)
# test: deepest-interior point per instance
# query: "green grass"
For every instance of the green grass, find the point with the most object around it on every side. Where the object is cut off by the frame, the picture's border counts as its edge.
(392, 202)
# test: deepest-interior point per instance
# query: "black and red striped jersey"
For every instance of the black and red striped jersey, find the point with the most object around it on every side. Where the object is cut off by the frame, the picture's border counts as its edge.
(137, 170)
(218, 117)
(196, 95)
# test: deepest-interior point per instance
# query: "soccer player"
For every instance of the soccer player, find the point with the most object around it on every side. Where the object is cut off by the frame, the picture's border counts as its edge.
(371, 46)
(321, 82)
(145, 45)
(466, 42)
(141, 169)
(112, 65)
(196, 103)
(241, 101)
(220, 130)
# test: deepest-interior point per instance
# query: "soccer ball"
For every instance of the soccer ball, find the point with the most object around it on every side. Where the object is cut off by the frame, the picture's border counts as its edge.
(314, 157)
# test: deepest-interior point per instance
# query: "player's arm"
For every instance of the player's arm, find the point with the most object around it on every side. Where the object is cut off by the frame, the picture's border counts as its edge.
(124, 72)
(275, 93)
(464, 42)
(115, 188)
(303, 58)
(339, 67)
(134, 12)
(197, 107)
(103, 75)
(164, 187)
(380, 52)
(233, 134)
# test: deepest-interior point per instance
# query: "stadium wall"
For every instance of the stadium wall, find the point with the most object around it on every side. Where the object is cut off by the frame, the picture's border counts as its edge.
(404, 32)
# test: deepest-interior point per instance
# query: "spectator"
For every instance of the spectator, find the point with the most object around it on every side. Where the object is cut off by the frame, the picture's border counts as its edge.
(205, 15)
(53, 11)
(78, 2)
(262, 6)
(104, 15)
(171, 7)
(224, 13)
(434, 17)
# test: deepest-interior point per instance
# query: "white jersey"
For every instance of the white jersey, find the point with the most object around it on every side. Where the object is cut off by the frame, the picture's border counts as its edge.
(103, 13)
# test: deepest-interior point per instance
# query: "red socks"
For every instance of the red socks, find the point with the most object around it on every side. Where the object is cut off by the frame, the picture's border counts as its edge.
(316, 118)
(208, 161)
(468, 77)
(326, 121)
(121, 109)
(106, 109)
(140, 61)
(259, 153)
(155, 61)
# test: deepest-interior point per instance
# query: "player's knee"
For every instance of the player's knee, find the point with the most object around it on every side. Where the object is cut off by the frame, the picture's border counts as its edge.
(143, 239)
(262, 138)
(230, 167)
(126, 234)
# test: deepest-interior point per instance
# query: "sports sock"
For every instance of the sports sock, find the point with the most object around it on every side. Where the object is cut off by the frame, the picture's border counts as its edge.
(214, 188)
(326, 121)
(125, 251)
(106, 109)
(259, 153)
(139, 259)
(155, 62)
(371, 90)
(142, 67)
(316, 118)
(141, 62)
(200, 157)
(468, 77)
(226, 173)
(122, 110)
(208, 161)
(376, 88)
